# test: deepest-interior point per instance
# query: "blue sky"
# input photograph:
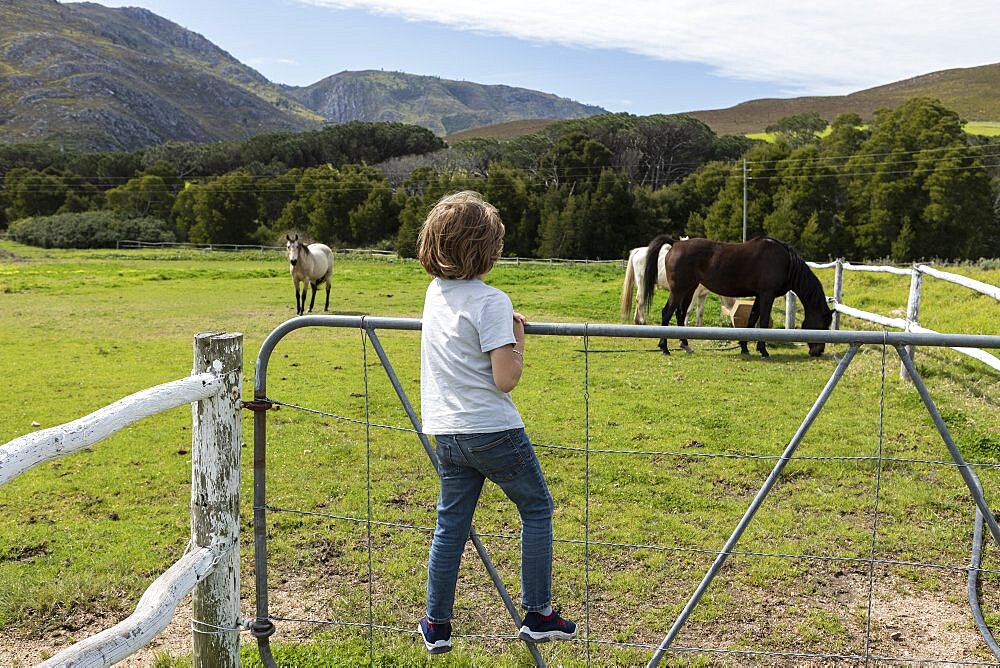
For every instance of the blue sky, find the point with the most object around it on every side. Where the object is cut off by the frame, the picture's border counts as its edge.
(639, 56)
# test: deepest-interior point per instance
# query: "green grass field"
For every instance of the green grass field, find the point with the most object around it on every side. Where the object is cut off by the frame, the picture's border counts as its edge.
(83, 536)
(983, 128)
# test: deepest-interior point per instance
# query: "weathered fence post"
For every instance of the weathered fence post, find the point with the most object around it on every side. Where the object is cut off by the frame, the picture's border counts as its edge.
(838, 289)
(789, 310)
(912, 312)
(215, 501)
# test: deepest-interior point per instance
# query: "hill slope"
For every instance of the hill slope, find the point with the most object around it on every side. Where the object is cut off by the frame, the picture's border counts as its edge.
(95, 77)
(88, 76)
(443, 105)
(973, 92)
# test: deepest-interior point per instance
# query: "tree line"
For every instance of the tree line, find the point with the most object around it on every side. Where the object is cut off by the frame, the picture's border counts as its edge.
(907, 184)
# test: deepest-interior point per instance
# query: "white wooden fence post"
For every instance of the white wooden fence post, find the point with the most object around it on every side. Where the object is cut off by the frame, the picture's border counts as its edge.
(789, 310)
(838, 289)
(215, 501)
(912, 312)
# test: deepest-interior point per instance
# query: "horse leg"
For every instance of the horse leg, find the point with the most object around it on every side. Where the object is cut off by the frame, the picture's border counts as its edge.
(300, 302)
(751, 322)
(640, 307)
(327, 306)
(700, 295)
(312, 302)
(682, 320)
(666, 314)
(764, 319)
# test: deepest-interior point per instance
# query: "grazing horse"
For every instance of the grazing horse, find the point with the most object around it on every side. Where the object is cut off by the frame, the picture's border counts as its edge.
(634, 271)
(762, 268)
(311, 265)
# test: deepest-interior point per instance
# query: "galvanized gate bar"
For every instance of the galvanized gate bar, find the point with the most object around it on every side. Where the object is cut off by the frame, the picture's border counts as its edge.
(638, 331)
(754, 505)
(473, 535)
(261, 627)
(778, 335)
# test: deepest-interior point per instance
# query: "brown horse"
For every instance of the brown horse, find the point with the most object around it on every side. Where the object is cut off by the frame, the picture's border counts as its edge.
(762, 268)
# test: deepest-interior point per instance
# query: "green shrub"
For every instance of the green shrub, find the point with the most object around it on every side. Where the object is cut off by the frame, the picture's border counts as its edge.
(91, 229)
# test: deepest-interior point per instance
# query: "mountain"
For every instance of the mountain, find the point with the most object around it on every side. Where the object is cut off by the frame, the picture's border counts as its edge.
(88, 76)
(445, 106)
(94, 77)
(972, 92)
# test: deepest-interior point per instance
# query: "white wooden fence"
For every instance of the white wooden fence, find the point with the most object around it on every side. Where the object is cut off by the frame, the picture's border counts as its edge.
(911, 322)
(210, 565)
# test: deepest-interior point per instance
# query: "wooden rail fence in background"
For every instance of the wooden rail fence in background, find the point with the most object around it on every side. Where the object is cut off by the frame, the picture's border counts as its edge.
(911, 323)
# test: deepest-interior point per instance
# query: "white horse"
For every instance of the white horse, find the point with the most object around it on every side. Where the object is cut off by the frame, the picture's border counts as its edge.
(633, 277)
(311, 265)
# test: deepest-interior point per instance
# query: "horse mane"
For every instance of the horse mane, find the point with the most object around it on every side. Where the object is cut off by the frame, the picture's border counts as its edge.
(801, 279)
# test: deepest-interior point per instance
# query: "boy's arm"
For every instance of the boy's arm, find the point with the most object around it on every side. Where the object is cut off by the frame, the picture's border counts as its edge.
(508, 361)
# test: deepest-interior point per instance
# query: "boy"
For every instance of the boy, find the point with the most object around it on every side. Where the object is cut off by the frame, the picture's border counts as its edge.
(471, 357)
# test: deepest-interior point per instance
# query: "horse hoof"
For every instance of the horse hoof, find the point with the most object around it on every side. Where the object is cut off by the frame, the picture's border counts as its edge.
(688, 349)
(765, 354)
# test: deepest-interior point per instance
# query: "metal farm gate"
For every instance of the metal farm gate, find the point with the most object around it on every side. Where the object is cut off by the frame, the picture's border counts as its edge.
(262, 625)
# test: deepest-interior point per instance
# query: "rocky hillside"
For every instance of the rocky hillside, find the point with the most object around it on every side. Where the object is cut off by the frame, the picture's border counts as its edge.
(972, 92)
(87, 76)
(90, 76)
(443, 105)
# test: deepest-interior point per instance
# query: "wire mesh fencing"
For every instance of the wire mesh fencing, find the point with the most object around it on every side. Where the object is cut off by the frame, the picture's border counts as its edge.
(858, 551)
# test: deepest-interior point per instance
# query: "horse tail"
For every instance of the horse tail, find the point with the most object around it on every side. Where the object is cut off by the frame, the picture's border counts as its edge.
(649, 275)
(627, 288)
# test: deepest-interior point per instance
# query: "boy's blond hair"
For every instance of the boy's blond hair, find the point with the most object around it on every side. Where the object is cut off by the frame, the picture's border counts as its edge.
(461, 238)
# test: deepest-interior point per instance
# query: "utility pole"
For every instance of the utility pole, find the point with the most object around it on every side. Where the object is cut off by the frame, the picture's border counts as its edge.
(744, 199)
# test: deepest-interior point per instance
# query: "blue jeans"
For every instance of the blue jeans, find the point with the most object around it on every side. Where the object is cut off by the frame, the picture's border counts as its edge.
(464, 462)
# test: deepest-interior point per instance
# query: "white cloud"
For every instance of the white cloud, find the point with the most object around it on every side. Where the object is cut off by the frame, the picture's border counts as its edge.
(263, 61)
(805, 47)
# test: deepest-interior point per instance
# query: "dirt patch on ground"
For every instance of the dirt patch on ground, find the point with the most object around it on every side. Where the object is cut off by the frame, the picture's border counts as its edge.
(910, 627)
(927, 627)
(8, 256)
(174, 641)
(827, 613)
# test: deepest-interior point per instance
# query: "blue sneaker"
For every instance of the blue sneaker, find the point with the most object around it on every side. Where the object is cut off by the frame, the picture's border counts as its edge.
(537, 628)
(437, 637)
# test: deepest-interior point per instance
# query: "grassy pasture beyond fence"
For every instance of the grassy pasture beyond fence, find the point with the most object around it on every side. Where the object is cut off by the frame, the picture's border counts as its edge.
(82, 537)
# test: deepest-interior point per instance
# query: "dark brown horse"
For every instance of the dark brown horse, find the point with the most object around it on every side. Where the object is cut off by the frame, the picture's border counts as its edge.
(762, 268)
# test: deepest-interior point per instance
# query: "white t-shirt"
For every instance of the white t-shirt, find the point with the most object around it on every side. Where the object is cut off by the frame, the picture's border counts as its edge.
(463, 321)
